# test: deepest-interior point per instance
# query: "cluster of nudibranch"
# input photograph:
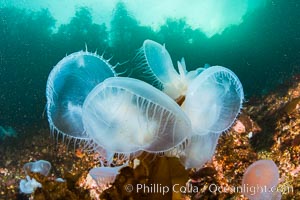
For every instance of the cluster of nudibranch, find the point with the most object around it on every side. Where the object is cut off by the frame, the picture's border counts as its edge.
(182, 116)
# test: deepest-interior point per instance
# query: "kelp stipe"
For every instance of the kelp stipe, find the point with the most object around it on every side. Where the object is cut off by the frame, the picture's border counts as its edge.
(213, 100)
(125, 115)
(69, 82)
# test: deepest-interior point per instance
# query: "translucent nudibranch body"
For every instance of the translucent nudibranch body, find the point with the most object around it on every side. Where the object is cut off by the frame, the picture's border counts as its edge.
(85, 100)
(28, 185)
(125, 115)
(213, 100)
(41, 166)
(263, 177)
(70, 81)
(7, 132)
(157, 62)
(105, 175)
(199, 150)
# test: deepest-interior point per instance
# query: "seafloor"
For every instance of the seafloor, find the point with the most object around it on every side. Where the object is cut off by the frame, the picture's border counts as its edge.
(267, 128)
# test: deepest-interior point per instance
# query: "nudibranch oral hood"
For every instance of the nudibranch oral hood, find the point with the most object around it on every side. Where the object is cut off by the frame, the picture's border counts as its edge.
(156, 62)
(125, 115)
(264, 175)
(213, 100)
(105, 175)
(41, 166)
(69, 82)
(199, 149)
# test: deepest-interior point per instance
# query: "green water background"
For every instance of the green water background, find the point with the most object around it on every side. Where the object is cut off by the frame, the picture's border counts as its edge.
(264, 50)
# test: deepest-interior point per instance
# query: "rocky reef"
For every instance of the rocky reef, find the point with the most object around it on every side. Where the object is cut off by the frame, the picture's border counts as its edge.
(267, 128)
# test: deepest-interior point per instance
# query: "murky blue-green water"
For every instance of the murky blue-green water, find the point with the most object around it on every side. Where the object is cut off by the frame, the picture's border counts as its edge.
(262, 46)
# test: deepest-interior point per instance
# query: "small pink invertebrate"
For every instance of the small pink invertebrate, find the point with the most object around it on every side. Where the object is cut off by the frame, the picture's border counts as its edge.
(260, 181)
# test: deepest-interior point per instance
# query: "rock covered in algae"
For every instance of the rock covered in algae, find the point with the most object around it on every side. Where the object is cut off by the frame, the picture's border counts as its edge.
(55, 190)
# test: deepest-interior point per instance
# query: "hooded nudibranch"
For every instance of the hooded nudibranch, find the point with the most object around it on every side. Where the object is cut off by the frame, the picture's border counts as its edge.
(105, 175)
(70, 81)
(156, 62)
(213, 95)
(199, 150)
(264, 176)
(41, 166)
(125, 115)
(28, 185)
(213, 100)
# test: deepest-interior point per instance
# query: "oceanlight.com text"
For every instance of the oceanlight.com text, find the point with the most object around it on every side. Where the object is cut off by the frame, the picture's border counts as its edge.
(252, 190)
